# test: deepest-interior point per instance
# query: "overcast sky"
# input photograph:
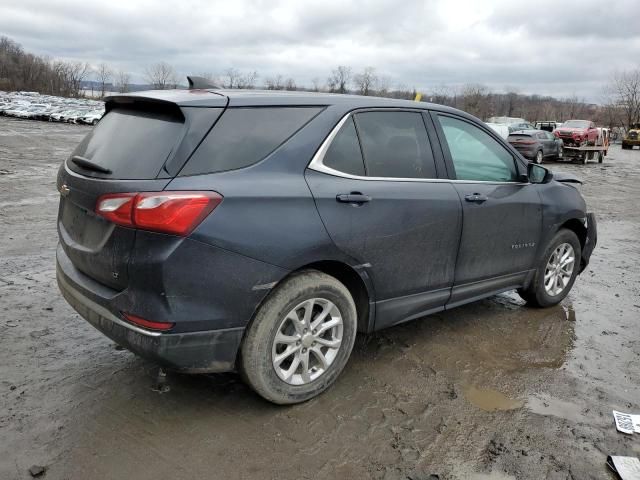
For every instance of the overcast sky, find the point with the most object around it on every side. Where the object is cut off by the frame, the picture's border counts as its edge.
(558, 47)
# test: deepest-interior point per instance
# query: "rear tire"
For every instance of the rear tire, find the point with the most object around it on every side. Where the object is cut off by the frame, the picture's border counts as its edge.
(282, 325)
(542, 293)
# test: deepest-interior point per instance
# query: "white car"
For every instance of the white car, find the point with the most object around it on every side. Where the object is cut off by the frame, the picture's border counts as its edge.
(500, 128)
(91, 118)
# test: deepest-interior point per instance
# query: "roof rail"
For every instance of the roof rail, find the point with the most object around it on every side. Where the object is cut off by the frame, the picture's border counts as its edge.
(199, 82)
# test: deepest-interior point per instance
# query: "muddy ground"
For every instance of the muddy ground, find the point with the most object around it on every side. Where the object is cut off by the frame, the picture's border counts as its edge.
(493, 390)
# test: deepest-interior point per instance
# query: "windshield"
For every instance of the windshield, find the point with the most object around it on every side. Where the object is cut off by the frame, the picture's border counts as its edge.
(576, 124)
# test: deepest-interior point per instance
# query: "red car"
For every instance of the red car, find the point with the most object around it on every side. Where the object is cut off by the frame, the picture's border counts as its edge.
(577, 132)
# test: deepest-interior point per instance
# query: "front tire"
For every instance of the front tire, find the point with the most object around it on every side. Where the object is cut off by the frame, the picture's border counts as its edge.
(300, 339)
(556, 272)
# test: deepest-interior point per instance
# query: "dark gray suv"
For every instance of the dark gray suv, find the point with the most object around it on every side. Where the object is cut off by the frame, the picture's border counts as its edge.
(212, 230)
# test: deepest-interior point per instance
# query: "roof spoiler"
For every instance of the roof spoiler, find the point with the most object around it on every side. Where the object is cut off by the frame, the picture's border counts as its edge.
(199, 83)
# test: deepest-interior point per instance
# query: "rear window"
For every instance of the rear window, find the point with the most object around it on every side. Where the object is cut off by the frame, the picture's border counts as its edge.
(518, 137)
(133, 144)
(244, 136)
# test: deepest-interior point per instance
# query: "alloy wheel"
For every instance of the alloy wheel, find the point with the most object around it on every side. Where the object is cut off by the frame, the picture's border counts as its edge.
(559, 269)
(307, 341)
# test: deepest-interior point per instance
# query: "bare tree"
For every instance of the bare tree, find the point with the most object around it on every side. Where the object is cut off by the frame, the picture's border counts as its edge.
(511, 98)
(248, 80)
(366, 81)
(316, 86)
(232, 78)
(442, 94)
(339, 79)
(124, 79)
(275, 83)
(625, 91)
(104, 74)
(290, 84)
(161, 75)
(76, 73)
(383, 86)
(475, 100)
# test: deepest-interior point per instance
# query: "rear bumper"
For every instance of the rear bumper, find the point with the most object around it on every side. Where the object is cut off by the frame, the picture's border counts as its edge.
(194, 352)
(590, 242)
(210, 311)
(528, 153)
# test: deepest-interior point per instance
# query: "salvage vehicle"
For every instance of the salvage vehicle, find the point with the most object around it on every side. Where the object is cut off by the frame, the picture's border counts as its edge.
(500, 128)
(547, 126)
(536, 144)
(632, 137)
(91, 118)
(216, 230)
(577, 133)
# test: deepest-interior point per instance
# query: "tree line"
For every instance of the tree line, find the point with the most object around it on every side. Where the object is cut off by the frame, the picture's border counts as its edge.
(620, 106)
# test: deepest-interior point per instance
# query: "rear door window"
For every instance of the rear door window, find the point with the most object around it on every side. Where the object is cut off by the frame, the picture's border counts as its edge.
(475, 154)
(344, 153)
(133, 144)
(244, 136)
(395, 145)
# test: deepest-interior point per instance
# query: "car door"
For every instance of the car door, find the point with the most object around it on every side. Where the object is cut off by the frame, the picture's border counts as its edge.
(553, 144)
(376, 189)
(502, 213)
(544, 142)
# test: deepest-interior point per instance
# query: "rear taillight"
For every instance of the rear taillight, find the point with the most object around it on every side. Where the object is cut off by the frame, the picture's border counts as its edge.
(168, 212)
(148, 324)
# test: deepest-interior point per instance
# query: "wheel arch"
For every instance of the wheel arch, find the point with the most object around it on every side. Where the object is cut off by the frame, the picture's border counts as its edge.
(577, 227)
(361, 290)
(358, 284)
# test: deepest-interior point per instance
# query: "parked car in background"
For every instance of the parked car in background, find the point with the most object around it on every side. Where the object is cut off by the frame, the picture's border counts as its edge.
(536, 145)
(514, 127)
(33, 106)
(632, 137)
(512, 123)
(500, 128)
(507, 120)
(547, 126)
(74, 115)
(91, 118)
(577, 133)
(215, 232)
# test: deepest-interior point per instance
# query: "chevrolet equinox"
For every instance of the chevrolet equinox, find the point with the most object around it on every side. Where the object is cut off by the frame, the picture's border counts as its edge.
(211, 230)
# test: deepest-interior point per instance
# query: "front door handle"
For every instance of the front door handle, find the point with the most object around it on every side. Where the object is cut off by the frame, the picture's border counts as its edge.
(353, 197)
(476, 198)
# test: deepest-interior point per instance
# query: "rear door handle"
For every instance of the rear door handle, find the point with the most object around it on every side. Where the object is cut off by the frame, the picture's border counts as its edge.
(476, 198)
(353, 197)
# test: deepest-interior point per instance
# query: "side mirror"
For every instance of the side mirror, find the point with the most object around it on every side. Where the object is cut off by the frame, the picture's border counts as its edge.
(538, 174)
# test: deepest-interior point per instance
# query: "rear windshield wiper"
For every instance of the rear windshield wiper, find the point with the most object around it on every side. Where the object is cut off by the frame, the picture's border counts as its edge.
(88, 164)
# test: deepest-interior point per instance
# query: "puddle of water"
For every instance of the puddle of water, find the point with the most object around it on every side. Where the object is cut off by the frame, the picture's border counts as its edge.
(549, 406)
(491, 476)
(462, 473)
(491, 400)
